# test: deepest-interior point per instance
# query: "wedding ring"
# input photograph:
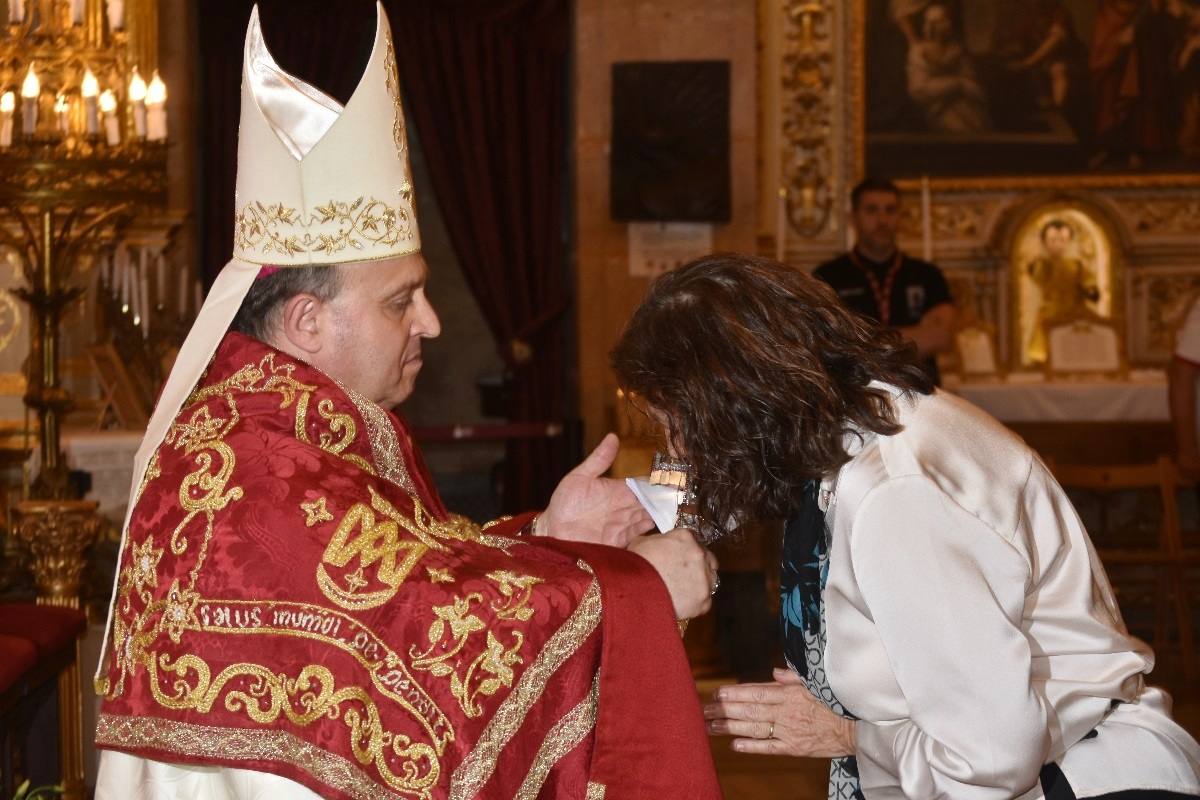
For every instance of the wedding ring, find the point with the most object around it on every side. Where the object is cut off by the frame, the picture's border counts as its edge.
(771, 731)
(716, 584)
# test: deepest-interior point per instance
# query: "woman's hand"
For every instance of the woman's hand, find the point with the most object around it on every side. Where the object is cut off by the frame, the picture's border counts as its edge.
(779, 719)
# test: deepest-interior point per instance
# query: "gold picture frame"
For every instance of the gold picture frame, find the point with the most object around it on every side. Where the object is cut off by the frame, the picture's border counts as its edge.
(1016, 178)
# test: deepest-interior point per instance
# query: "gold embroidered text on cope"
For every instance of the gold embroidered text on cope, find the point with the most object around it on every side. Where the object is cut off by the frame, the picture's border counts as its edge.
(335, 227)
(239, 744)
(386, 669)
(564, 737)
(480, 763)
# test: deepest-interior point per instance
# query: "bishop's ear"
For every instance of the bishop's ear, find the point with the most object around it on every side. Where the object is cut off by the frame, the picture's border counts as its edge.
(303, 323)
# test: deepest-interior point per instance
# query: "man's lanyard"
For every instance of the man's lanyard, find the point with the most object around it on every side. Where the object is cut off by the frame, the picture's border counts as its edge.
(883, 293)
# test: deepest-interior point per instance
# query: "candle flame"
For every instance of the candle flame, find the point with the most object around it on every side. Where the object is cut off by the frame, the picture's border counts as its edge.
(8, 103)
(137, 87)
(157, 93)
(31, 86)
(60, 104)
(90, 87)
(108, 102)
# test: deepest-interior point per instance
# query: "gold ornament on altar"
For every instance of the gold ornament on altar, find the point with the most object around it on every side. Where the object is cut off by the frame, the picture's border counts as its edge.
(1064, 266)
(57, 535)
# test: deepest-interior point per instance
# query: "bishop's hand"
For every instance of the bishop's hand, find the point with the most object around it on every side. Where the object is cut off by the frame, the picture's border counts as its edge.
(688, 570)
(586, 507)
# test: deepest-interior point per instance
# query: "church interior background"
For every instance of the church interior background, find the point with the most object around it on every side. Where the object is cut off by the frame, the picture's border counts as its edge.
(109, 232)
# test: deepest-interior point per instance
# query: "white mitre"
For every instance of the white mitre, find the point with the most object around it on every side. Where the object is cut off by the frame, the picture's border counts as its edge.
(317, 184)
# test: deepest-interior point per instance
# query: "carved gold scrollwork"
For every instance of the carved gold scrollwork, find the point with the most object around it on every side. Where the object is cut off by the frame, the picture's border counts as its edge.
(807, 112)
(57, 535)
(958, 220)
(1162, 216)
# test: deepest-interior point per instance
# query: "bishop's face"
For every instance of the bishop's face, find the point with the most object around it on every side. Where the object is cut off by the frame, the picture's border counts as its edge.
(376, 323)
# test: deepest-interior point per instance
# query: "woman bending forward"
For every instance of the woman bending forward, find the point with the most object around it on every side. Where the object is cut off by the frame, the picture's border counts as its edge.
(949, 628)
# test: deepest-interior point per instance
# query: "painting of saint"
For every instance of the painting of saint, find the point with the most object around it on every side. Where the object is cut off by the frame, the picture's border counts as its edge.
(976, 88)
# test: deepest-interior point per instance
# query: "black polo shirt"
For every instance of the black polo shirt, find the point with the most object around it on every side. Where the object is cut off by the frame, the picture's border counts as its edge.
(917, 287)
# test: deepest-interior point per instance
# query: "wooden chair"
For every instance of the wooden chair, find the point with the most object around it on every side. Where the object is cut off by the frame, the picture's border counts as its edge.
(1166, 555)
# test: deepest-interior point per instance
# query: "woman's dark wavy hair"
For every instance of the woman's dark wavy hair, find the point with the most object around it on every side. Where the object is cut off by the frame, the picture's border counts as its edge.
(760, 371)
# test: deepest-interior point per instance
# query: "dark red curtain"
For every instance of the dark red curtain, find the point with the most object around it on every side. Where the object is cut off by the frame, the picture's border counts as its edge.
(486, 83)
(486, 86)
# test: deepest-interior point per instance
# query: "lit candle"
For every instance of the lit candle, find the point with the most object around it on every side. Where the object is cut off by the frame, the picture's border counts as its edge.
(135, 296)
(8, 103)
(116, 14)
(61, 107)
(144, 291)
(137, 98)
(926, 220)
(108, 105)
(123, 270)
(781, 226)
(156, 109)
(77, 7)
(31, 87)
(16, 10)
(90, 89)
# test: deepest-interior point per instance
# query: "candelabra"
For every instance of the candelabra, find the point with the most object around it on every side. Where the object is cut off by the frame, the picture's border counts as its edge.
(82, 154)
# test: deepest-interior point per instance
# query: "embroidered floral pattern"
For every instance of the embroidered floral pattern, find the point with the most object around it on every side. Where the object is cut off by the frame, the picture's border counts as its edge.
(337, 226)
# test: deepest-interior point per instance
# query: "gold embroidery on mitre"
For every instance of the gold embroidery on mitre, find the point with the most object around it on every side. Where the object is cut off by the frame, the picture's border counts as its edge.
(335, 227)
(399, 133)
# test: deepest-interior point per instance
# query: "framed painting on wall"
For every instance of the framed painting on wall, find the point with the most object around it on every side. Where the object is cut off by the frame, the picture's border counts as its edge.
(1028, 92)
